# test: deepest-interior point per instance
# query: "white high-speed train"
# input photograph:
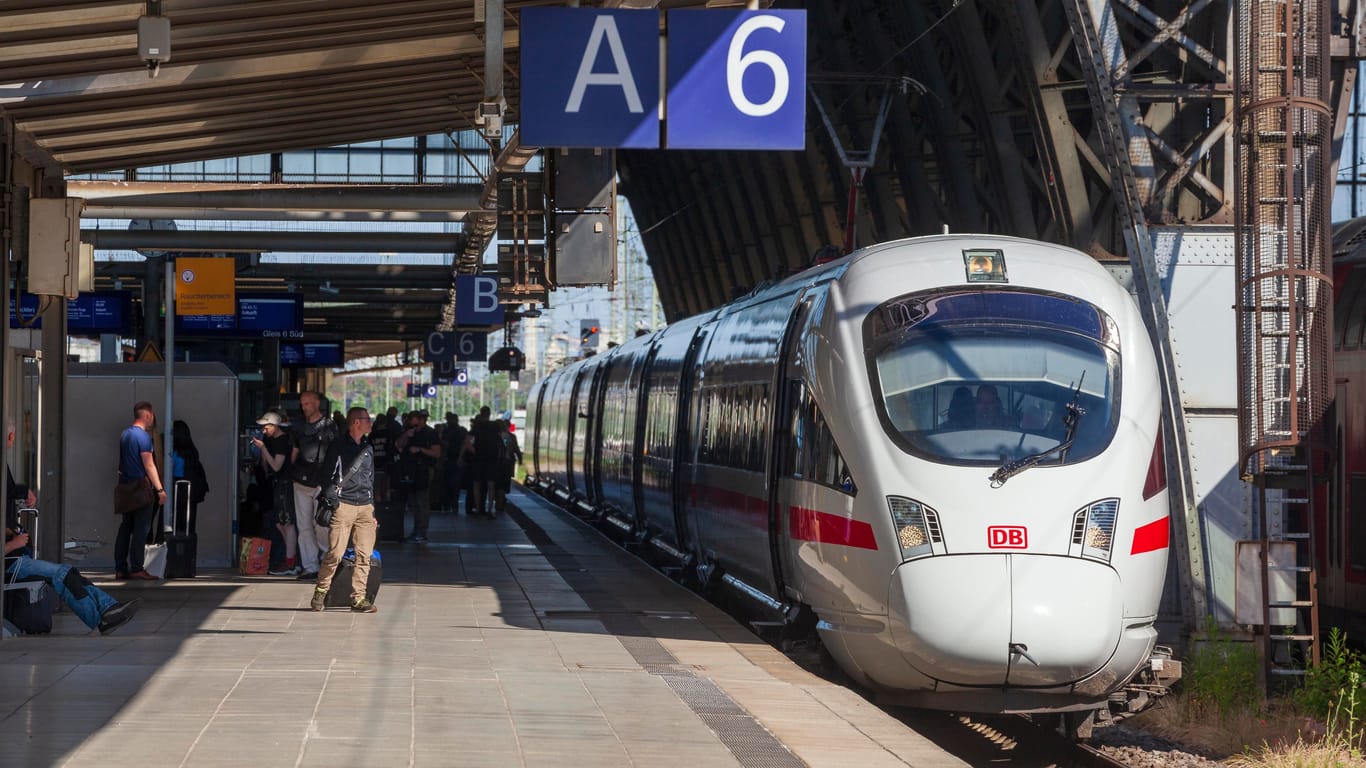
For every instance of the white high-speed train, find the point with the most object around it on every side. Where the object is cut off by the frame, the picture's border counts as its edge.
(947, 449)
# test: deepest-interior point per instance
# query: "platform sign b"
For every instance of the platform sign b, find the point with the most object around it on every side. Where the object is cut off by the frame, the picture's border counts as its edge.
(476, 301)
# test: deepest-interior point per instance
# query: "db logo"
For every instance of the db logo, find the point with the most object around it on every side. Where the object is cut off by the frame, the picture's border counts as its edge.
(1007, 537)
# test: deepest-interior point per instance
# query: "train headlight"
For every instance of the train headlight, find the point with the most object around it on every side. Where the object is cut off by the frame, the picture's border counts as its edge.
(917, 527)
(1093, 529)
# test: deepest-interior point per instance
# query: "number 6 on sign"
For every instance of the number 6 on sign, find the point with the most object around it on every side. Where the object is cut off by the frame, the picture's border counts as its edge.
(737, 80)
(471, 346)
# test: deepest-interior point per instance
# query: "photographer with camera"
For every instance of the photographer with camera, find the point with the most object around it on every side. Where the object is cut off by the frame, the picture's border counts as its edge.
(346, 502)
(272, 449)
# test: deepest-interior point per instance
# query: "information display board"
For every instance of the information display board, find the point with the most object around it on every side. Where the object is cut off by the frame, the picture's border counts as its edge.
(312, 354)
(259, 315)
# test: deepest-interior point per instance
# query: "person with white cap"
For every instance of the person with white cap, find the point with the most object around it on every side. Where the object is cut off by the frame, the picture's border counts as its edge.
(273, 448)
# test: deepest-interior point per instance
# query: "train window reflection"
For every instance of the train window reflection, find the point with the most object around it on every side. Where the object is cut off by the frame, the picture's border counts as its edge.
(811, 450)
(984, 392)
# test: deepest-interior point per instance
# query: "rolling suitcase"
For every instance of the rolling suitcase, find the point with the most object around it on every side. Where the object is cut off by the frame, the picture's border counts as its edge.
(182, 547)
(29, 604)
(339, 593)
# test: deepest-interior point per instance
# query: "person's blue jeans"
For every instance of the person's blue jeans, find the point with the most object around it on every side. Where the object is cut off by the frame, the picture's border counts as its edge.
(86, 600)
(130, 544)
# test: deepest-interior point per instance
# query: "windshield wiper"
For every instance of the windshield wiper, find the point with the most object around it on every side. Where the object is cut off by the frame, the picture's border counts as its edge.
(1070, 420)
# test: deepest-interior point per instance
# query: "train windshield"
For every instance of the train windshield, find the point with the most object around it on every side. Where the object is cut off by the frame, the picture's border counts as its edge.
(983, 377)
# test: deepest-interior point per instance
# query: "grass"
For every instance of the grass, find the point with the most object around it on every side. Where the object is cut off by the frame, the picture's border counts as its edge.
(1221, 711)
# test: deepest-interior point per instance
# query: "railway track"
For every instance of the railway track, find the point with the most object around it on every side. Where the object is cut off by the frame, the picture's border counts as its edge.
(1010, 741)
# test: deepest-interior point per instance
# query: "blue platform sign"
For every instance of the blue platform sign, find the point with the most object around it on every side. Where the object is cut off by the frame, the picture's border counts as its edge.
(737, 79)
(471, 346)
(476, 301)
(439, 346)
(590, 78)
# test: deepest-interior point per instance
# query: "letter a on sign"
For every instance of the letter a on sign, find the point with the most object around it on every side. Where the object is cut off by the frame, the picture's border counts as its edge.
(590, 78)
(476, 301)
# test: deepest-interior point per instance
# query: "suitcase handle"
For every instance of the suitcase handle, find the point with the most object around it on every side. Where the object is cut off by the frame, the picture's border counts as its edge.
(28, 520)
(182, 491)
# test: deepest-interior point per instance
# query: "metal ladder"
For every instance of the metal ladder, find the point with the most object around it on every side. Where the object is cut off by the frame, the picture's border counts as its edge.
(1289, 573)
(1284, 312)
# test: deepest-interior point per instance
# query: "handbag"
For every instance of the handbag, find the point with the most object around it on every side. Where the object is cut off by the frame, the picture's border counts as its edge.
(329, 496)
(328, 500)
(133, 495)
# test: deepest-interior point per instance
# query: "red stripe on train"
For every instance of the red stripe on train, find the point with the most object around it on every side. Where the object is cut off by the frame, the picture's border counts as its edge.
(1153, 536)
(812, 525)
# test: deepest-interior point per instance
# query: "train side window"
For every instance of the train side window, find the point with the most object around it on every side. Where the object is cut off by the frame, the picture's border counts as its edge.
(1356, 524)
(1354, 295)
(796, 404)
(835, 473)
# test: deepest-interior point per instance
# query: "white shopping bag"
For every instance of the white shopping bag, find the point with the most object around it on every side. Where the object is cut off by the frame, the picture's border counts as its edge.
(154, 560)
(154, 556)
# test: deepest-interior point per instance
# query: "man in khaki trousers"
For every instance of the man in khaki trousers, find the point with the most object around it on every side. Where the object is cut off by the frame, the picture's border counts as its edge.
(352, 464)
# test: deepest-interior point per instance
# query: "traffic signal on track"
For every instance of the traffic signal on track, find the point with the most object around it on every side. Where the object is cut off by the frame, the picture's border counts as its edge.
(588, 333)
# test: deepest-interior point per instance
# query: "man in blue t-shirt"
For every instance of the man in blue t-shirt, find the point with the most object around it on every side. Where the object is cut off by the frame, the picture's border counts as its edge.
(136, 462)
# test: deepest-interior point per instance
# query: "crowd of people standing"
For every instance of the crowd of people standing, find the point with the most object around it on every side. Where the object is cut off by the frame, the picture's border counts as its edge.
(418, 468)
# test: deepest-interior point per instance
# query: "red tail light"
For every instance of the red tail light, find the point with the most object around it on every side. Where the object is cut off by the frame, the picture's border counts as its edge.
(1157, 471)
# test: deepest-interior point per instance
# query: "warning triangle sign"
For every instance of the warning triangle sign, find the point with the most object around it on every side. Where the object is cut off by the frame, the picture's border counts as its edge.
(149, 354)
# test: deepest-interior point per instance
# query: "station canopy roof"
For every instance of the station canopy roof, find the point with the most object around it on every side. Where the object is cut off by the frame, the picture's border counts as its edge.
(246, 78)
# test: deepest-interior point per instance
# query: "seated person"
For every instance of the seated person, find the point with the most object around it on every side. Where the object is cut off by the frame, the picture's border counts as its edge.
(990, 415)
(962, 413)
(93, 605)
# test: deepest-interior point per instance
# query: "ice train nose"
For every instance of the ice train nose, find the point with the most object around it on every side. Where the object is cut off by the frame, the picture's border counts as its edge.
(1019, 620)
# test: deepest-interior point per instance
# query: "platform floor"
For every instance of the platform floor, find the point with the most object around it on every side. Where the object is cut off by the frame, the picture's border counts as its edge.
(523, 641)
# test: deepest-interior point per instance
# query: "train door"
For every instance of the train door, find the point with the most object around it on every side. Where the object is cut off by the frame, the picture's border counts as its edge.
(642, 389)
(593, 464)
(536, 427)
(579, 425)
(1332, 585)
(787, 394)
(684, 453)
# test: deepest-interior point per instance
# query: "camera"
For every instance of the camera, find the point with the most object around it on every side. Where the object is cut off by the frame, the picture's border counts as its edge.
(246, 449)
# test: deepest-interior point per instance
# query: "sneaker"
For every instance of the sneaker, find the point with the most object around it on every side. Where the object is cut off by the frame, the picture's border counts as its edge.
(117, 615)
(319, 600)
(308, 576)
(364, 605)
(292, 570)
(415, 539)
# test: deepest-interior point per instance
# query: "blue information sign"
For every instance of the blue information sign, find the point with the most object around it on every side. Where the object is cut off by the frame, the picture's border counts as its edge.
(103, 312)
(471, 346)
(737, 79)
(476, 301)
(269, 315)
(88, 313)
(312, 354)
(446, 373)
(590, 78)
(28, 309)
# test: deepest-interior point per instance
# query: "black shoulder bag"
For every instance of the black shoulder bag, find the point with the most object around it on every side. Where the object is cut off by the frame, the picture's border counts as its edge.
(329, 497)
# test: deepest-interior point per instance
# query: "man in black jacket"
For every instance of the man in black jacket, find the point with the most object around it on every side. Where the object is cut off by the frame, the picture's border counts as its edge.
(352, 464)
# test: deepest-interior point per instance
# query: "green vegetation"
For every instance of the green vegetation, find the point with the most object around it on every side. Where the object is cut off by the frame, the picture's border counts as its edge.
(1222, 674)
(1337, 679)
(1222, 709)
